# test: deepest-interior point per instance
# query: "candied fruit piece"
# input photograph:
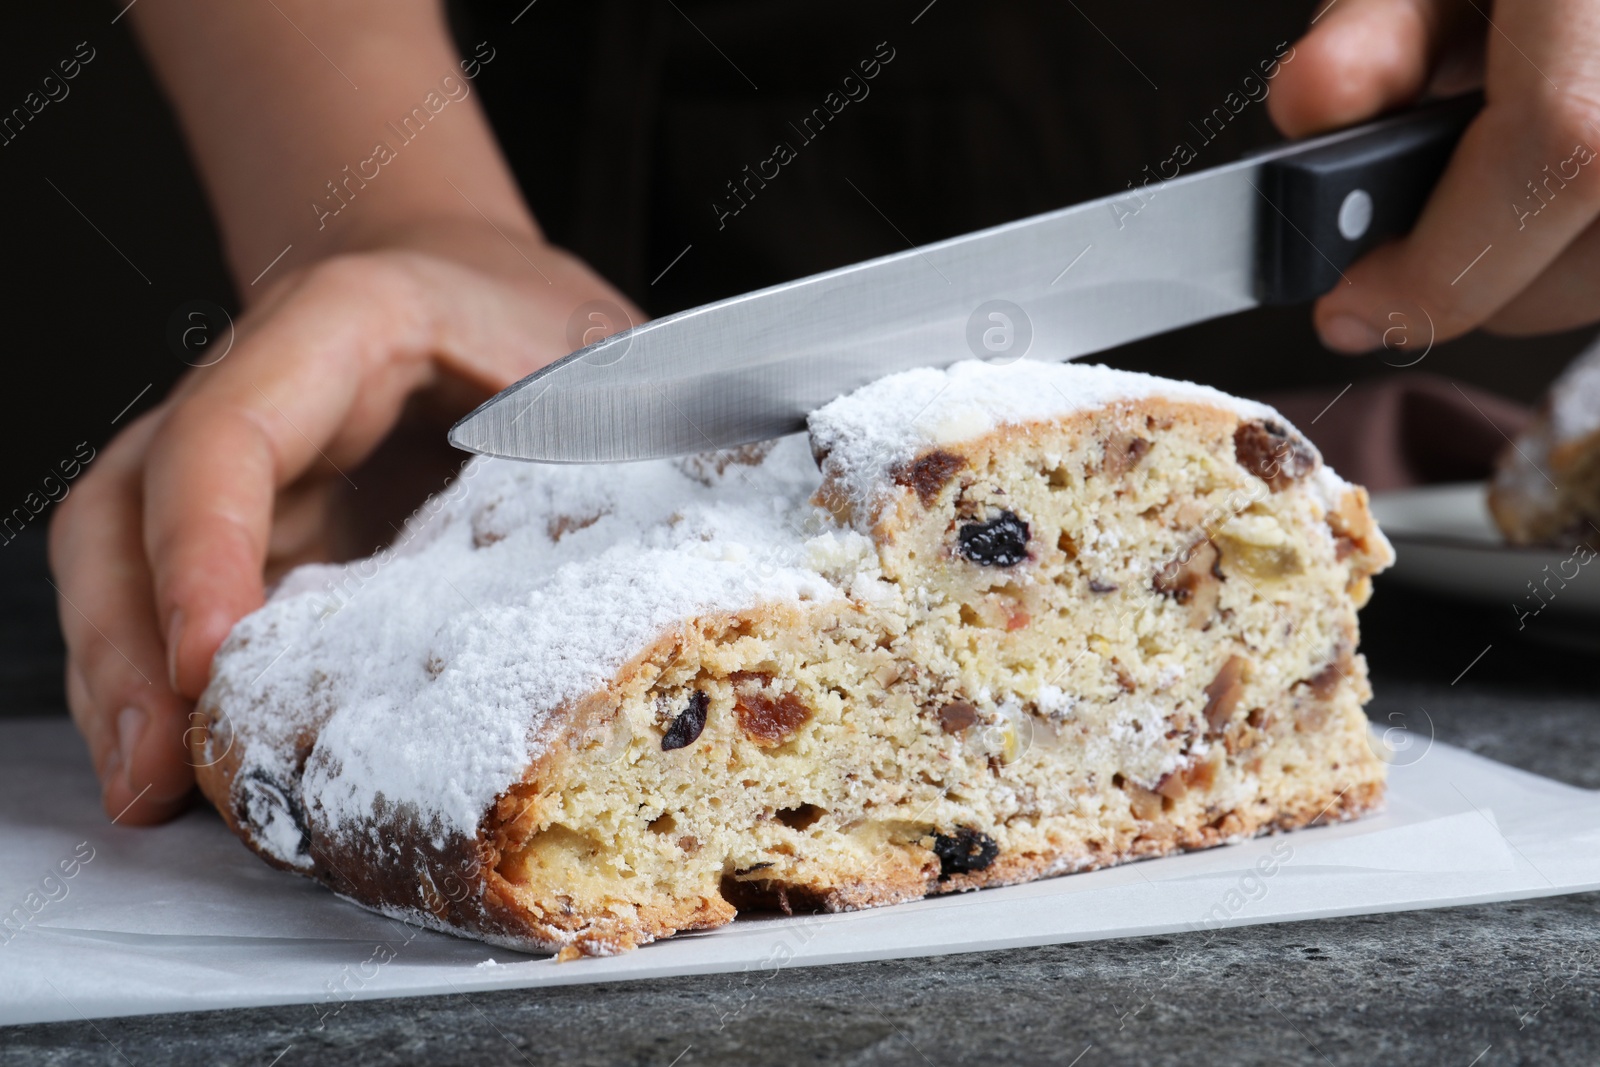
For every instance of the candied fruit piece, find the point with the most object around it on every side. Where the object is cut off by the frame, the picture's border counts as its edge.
(1264, 563)
(766, 719)
(1145, 804)
(1000, 542)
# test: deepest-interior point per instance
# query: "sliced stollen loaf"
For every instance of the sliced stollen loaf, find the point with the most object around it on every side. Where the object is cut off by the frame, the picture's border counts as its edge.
(1546, 486)
(1026, 620)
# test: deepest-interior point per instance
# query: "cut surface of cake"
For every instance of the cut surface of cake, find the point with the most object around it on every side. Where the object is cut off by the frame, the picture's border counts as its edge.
(1546, 486)
(980, 626)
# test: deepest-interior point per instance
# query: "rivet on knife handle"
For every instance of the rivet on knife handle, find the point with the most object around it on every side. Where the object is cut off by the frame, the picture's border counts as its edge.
(1324, 207)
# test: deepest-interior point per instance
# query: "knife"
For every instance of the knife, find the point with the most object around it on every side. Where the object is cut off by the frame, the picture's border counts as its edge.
(1275, 227)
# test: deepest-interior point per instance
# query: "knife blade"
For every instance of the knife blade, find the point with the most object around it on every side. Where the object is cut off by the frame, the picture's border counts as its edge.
(1275, 227)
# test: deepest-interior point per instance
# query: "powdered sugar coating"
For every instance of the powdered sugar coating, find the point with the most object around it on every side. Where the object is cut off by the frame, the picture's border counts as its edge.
(1522, 476)
(429, 674)
(423, 681)
(876, 429)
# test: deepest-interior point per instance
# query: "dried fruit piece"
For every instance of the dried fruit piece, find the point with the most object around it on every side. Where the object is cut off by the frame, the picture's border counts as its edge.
(688, 723)
(1097, 586)
(1001, 542)
(963, 851)
(1311, 718)
(1145, 804)
(766, 719)
(264, 802)
(1199, 775)
(1123, 453)
(1325, 681)
(1194, 578)
(1229, 826)
(1172, 786)
(956, 716)
(1223, 693)
(707, 467)
(1273, 453)
(928, 473)
(562, 525)
(1125, 677)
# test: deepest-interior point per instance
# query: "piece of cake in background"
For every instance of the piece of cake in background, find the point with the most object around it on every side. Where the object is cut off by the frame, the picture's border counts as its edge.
(1026, 620)
(1546, 486)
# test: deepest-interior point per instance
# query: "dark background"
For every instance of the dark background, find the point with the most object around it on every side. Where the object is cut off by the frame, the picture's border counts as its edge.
(625, 124)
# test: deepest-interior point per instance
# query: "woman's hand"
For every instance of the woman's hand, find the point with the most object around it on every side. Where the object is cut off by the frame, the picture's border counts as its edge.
(344, 150)
(171, 534)
(1509, 239)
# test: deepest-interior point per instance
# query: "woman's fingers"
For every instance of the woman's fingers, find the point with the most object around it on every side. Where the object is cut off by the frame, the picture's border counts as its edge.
(1360, 58)
(309, 393)
(163, 545)
(116, 686)
(1565, 297)
(311, 390)
(493, 334)
(1518, 189)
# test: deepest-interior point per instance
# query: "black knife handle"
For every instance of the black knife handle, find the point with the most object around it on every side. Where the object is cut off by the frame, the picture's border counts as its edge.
(1337, 197)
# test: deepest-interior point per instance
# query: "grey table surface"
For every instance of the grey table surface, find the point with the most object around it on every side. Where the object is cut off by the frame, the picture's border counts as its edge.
(1482, 986)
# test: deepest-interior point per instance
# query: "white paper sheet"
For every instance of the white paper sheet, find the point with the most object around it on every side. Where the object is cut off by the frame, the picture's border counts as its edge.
(184, 918)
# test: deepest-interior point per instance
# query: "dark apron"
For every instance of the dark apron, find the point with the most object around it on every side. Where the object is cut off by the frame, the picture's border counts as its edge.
(776, 139)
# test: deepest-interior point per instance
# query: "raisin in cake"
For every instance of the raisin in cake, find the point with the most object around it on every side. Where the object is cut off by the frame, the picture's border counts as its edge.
(1546, 486)
(1023, 621)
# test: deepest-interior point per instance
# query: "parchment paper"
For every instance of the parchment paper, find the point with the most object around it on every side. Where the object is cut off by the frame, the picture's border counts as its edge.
(184, 918)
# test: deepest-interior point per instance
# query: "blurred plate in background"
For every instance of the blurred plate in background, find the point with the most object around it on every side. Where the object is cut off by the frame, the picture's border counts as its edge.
(1445, 542)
